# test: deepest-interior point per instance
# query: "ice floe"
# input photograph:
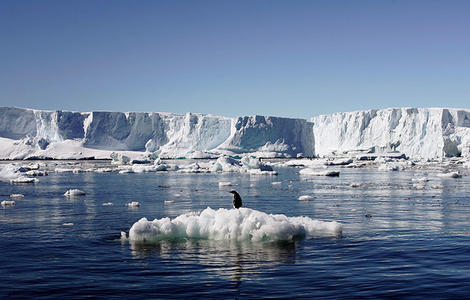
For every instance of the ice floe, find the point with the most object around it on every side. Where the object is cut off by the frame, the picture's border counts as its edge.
(449, 175)
(232, 224)
(8, 203)
(314, 172)
(133, 204)
(74, 192)
(306, 198)
(17, 196)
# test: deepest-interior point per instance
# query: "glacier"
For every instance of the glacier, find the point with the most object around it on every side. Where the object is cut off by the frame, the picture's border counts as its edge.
(426, 133)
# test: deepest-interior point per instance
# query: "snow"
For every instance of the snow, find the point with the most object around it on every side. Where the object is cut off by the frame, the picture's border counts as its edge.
(74, 192)
(234, 224)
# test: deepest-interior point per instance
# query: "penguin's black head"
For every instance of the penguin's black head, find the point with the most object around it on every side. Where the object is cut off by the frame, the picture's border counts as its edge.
(233, 192)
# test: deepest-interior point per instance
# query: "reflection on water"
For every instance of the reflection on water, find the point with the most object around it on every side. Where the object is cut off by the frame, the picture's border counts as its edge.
(233, 260)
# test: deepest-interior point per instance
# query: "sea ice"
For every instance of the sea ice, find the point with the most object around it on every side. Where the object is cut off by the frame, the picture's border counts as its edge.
(449, 175)
(306, 198)
(24, 180)
(313, 172)
(133, 204)
(232, 224)
(8, 203)
(74, 192)
(17, 196)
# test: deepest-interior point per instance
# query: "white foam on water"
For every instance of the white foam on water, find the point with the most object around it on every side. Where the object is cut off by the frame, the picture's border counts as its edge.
(232, 224)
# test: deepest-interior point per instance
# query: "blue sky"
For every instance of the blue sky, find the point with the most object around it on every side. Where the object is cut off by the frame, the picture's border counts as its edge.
(282, 58)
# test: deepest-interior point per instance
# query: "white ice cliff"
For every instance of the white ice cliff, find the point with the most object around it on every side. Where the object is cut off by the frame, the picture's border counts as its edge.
(415, 132)
(27, 133)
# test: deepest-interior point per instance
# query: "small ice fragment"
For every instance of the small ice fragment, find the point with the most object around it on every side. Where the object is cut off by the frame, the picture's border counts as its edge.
(355, 185)
(225, 183)
(313, 172)
(449, 175)
(177, 195)
(276, 182)
(107, 204)
(8, 203)
(353, 210)
(133, 204)
(17, 196)
(123, 236)
(67, 224)
(305, 198)
(24, 180)
(74, 192)
(420, 179)
(169, 201)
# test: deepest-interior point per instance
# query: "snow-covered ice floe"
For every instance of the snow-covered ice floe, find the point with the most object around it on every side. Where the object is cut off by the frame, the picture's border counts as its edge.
(74, 192)
(314, 172)
(232, 224)
(133, 204)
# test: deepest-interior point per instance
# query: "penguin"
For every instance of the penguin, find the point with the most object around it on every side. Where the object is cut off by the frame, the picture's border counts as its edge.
(237, 200)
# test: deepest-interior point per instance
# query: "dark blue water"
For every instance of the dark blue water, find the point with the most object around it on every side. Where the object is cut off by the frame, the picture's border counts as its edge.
(414, 243)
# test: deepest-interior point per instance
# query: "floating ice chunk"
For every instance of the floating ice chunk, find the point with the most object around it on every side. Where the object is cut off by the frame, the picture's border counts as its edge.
(133, 204)
(67, 224)
(63, 170)
(104, 170)
(276, 182)
(305, 198)
(143, 169)
(261, 172)
(339, 162)
(253, 163)
(16, 196)
(355, 185)
(449, 175)
(225, 183)
(36, 173)
(225, 164)
(126, 171)
(74, 192)
(313, 172)
(420, 179)
(8, 203)
(169, 201)
(419, 186)
(107, 204)
(123, 236)
(233, 224)
(119, 158)
(193, 168)
(24, 180)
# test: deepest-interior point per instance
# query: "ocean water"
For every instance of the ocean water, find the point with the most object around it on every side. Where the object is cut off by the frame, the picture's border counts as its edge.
(399, 239)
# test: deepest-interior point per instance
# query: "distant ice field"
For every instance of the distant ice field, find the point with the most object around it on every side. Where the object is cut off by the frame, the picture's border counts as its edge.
(404, 231)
